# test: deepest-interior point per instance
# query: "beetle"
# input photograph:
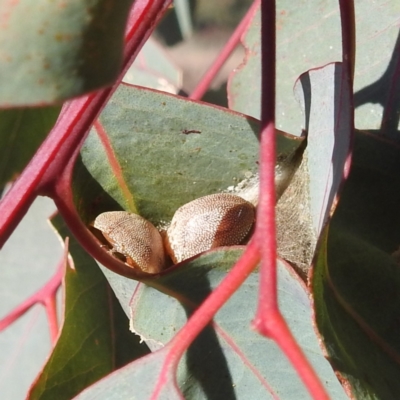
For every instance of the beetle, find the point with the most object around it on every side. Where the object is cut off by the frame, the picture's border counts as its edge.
(132, 238)
(220, 219)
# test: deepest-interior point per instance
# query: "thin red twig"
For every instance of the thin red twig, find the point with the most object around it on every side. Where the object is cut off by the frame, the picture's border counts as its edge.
(269, 320)
(72, 126)
(233, 41)
(347, 17)
(204, 314)
(46, 295)
(265, 233)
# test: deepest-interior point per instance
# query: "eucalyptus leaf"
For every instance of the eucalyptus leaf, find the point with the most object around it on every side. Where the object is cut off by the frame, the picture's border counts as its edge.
(65, 49)
(356, 279)
(152, 152)
(228, 359)
(302, 45)
(21, 133)
(94, 339)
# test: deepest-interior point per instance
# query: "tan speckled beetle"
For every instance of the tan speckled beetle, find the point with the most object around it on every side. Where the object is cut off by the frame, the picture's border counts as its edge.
(133, 237)
(220, 219)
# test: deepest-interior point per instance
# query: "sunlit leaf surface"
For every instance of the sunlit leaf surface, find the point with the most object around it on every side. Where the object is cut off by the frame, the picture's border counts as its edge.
(65, 49)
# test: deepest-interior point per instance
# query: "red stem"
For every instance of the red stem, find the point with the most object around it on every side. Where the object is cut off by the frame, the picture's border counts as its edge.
(19, 198)
(46, 296)
(206, 311)
(72, 126)
(347, 17)
(269, 320)
(265, 233)
(233, 41)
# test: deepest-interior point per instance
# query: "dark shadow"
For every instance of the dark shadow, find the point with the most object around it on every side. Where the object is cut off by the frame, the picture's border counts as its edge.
(343, 131)
(90, 198)
(362, 271)
(363, 229)
(306, 85)
(205, 360)
(386, 92)
(97, 61)
(168, 29)
(207, 364)
(218, 96)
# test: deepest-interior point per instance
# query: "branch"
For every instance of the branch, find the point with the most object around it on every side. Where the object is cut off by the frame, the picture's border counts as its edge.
(233, 41)
(76, 118)
(269, 320)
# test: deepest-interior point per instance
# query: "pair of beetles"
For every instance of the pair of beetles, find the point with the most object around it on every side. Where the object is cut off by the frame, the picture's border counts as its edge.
(208, 222)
